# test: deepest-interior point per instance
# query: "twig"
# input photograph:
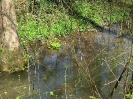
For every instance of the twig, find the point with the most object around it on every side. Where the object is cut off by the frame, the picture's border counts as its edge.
(120, 77)
(9, 18)
(96, 56)
(111, 70)
(110, 82)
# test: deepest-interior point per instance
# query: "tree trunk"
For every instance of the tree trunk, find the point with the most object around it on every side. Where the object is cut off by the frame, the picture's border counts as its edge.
(11, 53)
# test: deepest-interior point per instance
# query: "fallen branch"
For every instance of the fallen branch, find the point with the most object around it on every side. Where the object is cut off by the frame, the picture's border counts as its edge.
(120, 77)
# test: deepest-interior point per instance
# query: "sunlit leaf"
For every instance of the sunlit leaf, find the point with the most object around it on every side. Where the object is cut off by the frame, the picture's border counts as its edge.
(51, 93)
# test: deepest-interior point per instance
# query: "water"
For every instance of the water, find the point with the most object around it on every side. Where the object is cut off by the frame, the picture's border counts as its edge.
(94, 58)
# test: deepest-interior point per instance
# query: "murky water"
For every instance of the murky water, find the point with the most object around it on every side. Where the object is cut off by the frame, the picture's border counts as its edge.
(88, 59)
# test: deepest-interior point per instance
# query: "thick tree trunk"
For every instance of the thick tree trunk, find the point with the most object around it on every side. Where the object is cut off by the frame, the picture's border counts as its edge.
(1, 26)
(11, 53)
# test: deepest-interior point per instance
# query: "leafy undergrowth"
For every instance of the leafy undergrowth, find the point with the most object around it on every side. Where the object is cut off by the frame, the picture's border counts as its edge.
(48, 19)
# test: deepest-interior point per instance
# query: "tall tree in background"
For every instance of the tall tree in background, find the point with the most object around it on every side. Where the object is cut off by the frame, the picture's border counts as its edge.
(11, 54)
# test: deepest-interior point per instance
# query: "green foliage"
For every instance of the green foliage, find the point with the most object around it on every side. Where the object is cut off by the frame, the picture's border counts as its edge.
(28, 29)
(1, 49)
(51, 93)
(51, 22)
(100, 12)
(90, 11)
(0, 74)
(18, 97)
(129, 96)
(50, 19)
(54, 44)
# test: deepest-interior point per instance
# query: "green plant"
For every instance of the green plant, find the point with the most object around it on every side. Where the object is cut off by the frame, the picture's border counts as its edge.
(5, 92)
(129, 96)
(54, 44)
(51, 93)
(27, 29)
(19, 77)
(18, 97)
(0, 74)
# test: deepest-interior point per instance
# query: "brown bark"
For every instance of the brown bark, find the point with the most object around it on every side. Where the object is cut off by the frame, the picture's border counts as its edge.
(11, 52)
(1, 26)
(132, 19)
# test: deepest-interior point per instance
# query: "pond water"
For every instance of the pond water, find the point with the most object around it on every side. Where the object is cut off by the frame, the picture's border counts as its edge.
(86, 67)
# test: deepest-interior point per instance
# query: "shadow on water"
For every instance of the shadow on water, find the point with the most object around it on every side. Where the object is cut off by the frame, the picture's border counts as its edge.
(88, 61)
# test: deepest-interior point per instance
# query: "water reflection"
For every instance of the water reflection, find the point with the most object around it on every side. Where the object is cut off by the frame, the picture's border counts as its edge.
(95, 58)
(13, 85)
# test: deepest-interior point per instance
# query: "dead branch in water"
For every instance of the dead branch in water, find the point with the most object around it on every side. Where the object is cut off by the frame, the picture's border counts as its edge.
(120, 77)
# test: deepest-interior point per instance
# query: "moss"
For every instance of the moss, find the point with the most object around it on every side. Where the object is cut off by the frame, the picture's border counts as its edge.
(12, 61)
(14, 68)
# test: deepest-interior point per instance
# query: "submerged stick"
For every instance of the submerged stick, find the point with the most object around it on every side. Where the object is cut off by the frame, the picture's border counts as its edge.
(120, 77)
